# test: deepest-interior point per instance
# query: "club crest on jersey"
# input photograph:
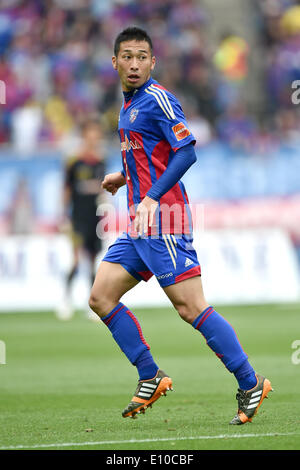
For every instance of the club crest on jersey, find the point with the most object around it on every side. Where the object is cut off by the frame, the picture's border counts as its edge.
(133, 115)
(129, 144)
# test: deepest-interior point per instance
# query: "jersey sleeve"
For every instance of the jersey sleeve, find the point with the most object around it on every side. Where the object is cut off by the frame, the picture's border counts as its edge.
(170, 119)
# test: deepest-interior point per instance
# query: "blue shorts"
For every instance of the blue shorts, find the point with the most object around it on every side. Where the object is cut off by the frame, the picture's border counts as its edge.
(170, 258)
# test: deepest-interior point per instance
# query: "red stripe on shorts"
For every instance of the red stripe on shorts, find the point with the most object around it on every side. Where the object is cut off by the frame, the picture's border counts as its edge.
(146, 275)
(195, 271)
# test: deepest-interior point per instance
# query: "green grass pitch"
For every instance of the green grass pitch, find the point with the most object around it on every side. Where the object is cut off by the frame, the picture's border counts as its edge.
(65, 384)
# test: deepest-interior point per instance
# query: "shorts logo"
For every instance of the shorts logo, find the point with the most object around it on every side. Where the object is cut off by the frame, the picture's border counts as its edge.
(164, 276)
(180, 131)
(133, 115)
(188, 262)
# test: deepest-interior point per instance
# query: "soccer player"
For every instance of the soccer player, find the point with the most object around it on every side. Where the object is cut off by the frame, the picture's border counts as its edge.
(81, 197)
(157, 149)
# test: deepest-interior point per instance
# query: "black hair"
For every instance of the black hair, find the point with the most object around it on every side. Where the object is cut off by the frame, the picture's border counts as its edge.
(129, 34)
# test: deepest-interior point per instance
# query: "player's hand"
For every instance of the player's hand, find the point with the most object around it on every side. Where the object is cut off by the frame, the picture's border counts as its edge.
(113, 181)
(144, 215)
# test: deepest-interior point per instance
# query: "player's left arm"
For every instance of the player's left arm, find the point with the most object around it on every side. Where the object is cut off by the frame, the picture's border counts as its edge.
(183, 159)
(181, 162)
(170, 120)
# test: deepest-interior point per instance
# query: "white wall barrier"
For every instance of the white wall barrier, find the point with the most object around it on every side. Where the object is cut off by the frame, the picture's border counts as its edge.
(238, 266)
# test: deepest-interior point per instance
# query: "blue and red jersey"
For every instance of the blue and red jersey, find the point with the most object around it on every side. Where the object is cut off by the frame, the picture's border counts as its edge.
(152, 127)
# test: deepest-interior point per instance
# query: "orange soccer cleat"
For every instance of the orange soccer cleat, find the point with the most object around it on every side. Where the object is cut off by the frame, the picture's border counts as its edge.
(147, 392)
(250, 400)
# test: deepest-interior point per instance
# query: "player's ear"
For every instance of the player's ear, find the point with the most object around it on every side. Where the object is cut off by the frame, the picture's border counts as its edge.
(153, 62)
(114, 62)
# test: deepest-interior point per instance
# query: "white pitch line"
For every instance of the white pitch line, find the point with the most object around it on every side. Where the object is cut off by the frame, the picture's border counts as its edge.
(141, 441)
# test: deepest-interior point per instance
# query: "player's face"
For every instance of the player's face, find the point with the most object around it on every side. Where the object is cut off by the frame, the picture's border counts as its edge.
(92, 135)
(134, 64)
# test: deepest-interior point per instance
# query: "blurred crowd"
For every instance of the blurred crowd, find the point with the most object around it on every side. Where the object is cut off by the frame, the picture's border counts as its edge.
(278, 24)
(55, 62)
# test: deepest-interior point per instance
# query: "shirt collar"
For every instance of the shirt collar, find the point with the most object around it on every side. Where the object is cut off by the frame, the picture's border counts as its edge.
(146, 84)
(129, 94)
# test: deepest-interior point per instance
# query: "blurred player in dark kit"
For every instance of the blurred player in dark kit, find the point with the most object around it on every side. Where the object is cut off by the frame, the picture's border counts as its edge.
(82, 194)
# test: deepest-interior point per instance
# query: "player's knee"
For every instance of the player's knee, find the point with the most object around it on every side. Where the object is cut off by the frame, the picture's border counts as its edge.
(101, 304)
(187, 313)
(97, 304)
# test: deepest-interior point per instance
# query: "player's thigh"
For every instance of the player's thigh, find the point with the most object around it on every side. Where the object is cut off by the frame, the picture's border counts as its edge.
(188, 298)
(112, 281)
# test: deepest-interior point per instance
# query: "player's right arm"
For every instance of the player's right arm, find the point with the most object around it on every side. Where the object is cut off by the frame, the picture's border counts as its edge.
(113, 181)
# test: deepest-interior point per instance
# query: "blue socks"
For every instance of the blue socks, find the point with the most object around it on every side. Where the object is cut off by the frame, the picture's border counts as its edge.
(222, 339)
(127, 333)
(245, 376)
(146, 366)
(219, 335)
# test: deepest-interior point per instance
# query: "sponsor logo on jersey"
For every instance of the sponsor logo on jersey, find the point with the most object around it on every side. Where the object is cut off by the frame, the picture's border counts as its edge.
(133, 115)
(127, 145)
(180, 131)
